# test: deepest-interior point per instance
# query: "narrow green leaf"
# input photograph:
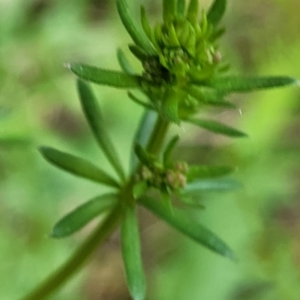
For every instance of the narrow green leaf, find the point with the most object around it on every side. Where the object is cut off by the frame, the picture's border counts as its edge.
(142, 134)
(206, 171)
(131, 252)
(231, 84)
(217, 127)
(77, 166)
(93, 115)
(134, 98)
(216, 11)
(145, 23)
(191, 201)
(134, 30)
(168, 151)
(192, 12)
(138, 52)
(83, 214)
(214, 185)
(105, 77)
(124, 63)
(169, 10)
(183, 222)
(142, 154)
(180, 7)
(209, 96)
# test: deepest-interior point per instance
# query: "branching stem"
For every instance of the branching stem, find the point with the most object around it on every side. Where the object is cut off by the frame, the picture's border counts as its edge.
(101, 233)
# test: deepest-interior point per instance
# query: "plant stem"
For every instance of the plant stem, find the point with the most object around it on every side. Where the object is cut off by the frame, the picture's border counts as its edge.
(101, 232)
(78, 259)
(158, 135)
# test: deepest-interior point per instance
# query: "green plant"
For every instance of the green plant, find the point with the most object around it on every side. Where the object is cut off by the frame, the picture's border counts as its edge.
(183, 73)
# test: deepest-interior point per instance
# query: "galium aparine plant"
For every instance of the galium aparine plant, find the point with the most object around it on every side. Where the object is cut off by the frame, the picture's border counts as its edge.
(183, 73)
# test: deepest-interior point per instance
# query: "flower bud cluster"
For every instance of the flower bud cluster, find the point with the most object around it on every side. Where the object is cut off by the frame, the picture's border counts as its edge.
(157, 176)
(186, 52)
(185, 47)
(154, 72)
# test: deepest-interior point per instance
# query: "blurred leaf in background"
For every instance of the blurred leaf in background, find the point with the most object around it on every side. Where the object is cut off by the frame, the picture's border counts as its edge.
(38, 104)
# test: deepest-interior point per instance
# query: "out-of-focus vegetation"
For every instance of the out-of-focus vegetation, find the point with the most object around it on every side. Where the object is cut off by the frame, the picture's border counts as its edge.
(39, 105)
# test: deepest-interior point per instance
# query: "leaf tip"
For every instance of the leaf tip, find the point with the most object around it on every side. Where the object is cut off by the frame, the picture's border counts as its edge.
(58, 232)
(43, 149)
(243, 134)
(54, 234)
(68, 65)
(232, 256)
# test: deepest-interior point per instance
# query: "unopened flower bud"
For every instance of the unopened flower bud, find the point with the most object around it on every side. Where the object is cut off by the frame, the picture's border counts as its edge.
(217, 57)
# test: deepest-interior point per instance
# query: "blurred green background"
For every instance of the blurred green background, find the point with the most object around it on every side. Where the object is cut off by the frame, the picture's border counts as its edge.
(39, 105)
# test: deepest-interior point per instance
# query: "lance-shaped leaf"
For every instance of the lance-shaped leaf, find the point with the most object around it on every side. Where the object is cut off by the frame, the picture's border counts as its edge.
(93, 115)
(215, 185)
(83, 214)
(138, 52)
(134, 98)
(216, 11)
(217, 127)
(105, 77)
(142, 134)
(190, 201)
(124, 63)
(180, 7)
(77, 166)
(236, 84)
(131, 252)
(169, 10)
(134, 30)
(169, 149)
(145, 23)
(143, 156)
(205, 171)
(209, 96)
(183, 222)
(192, 12)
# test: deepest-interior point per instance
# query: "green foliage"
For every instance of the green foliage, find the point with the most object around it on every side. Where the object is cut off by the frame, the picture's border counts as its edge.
(100, 76)
(212, 185)
(77, 166)
(123, 62)
(180, 7)
(169, 10)
(131, 252)
(236, 84)
(142, 134)
(192, 12)
(83, 214)
(200, 172)
(216, 11)
(183, 222)
(94, 118)
(182, 72)
(217, 127)
(132, 28)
